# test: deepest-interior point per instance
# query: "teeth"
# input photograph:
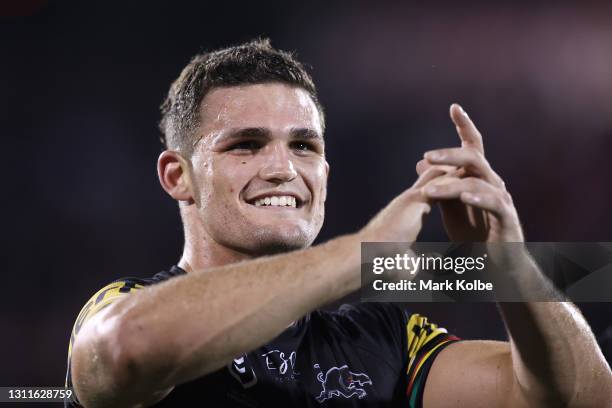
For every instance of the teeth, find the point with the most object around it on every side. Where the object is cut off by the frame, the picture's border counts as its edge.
(282, 201)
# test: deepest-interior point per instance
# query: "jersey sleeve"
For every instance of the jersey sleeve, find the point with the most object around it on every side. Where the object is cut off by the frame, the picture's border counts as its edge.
(407, 336)
(100, 300)
(425, 340)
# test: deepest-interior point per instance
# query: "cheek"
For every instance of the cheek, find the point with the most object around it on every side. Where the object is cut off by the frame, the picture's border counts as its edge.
(229, 176)
(324, 193)
(322, 177)
(318, 181)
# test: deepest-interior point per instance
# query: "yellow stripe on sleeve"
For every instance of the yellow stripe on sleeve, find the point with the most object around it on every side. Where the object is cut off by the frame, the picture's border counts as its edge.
(420, 332)
(101, 299)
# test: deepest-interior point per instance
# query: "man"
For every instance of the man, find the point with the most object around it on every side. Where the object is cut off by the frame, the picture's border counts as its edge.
(236, 322)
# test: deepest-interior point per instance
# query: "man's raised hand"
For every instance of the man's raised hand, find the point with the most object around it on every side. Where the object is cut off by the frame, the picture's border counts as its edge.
(402, 219)
(476, 207)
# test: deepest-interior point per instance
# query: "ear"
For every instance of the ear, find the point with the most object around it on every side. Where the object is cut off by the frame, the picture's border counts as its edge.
(173, 173)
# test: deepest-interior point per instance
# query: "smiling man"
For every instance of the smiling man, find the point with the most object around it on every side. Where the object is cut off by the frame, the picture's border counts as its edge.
(254, 204)
(236, 323)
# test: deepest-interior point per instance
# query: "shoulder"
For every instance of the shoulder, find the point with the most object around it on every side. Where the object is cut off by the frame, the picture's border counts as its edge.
(109, 294)
(384, 315)
(119, 288)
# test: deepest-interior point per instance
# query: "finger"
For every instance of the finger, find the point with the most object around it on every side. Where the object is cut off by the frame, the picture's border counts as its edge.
(423, 165)
(428, 175)
(496, 206)
(467, 189)
(414, 194)
(442, 181)
(469, 135)
(488, 202)
(452, 187)
(471, 159)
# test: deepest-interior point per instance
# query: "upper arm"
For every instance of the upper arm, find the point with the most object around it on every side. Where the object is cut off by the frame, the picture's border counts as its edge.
(473, 374)
(94, 355)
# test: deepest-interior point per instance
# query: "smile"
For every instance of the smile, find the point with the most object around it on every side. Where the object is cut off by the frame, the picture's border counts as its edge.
(276, 201)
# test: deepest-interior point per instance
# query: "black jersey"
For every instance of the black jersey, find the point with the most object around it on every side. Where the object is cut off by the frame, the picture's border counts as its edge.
(362, 355)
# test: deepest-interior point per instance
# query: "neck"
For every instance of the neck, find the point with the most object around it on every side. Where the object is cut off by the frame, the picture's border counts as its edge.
(201, 251)
(204, 254)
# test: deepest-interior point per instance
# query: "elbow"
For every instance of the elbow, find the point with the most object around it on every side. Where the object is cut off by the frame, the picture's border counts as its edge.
(104, 363)
(116, 349)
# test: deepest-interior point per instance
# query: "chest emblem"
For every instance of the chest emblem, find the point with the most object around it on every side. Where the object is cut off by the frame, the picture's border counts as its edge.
(282, 365)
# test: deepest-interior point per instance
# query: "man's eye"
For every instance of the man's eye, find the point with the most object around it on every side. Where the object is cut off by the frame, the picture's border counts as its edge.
(246, 145)
(303, 146)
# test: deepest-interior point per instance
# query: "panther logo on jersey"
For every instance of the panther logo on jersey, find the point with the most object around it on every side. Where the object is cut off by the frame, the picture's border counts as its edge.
(341, 382)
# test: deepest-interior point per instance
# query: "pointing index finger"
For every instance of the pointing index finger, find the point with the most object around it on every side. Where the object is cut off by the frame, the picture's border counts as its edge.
(469, 135)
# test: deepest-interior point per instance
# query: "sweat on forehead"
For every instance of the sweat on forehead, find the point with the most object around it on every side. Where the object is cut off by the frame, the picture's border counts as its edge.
(275, 106)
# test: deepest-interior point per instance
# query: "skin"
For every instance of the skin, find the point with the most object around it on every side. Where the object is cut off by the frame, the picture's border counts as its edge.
(133, 352)
(552, 358)
(254, 140)
(249, 150)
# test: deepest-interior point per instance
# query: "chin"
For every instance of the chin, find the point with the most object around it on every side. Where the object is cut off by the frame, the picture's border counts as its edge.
(275, 248)
(269, 242)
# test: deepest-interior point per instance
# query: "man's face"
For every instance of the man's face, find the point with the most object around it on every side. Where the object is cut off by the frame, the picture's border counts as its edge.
(259, 169)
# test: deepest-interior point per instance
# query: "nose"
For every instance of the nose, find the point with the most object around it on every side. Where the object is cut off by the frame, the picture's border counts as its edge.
(278, 167)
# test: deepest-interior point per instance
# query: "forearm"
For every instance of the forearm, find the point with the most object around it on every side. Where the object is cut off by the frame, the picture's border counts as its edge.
(192, 325)
(555, 357)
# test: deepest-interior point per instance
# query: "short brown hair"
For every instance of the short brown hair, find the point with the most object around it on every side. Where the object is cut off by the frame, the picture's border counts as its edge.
(253, 62)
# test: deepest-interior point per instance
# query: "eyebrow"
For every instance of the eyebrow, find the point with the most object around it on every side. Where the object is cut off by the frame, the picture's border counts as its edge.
(306, 134)
(264, 133)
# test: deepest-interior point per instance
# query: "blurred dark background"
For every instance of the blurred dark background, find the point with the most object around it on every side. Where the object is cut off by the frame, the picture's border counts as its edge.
(81, 82)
